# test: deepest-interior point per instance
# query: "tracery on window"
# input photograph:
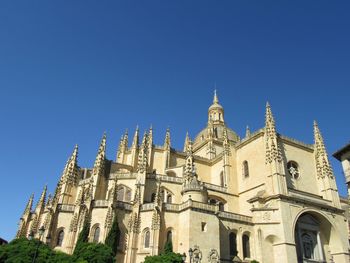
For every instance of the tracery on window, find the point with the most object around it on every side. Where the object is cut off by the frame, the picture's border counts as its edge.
(293, 169)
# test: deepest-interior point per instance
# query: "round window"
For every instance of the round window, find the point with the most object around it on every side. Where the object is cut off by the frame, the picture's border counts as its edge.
(293, 169)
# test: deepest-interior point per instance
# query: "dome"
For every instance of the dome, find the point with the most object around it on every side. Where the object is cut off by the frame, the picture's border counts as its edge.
(218, 134)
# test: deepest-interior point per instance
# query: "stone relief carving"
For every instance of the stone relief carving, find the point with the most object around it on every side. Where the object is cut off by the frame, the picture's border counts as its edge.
(213, 256)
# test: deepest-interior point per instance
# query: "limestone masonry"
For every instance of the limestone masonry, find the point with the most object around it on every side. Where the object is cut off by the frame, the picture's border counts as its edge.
(264, 197)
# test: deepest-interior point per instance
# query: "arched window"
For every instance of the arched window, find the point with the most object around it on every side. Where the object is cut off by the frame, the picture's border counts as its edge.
(245, 168)
(96, 235)
(120, 194)
(146, 239)
(222, 179)
(246, 246)
(60, 237)
(212, 201)
(169, 199)
(153, 197)
(233, 244)
(128, 195)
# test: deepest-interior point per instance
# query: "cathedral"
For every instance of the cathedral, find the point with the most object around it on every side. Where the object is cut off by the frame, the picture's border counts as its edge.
(221, 198)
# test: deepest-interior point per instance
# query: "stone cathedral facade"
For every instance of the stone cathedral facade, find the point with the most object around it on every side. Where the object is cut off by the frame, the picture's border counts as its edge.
(265, 197)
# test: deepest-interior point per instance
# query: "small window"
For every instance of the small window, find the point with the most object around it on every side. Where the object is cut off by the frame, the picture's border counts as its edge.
(169, 199)
(169, 236)
(293, 169)
(153, 197)
(60, 237)
(204, 227)
(96, 235)
(245, 168)
(147, 239)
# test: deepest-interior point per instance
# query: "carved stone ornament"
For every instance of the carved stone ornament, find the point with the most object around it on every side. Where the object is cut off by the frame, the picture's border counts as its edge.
(213, 256)
(197, 255)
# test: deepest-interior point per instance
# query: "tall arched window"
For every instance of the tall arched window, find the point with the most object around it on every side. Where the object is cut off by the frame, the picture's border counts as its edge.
(245, 169)
(233, 244)
(96, 235)
(169, 236)
(246, 246)
(60, 237)
(146, 239)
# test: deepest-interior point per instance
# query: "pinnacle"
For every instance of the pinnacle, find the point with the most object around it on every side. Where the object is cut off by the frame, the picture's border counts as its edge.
(215, 100)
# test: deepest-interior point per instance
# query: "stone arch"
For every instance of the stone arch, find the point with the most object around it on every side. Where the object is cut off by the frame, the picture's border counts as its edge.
(123, 193)
(167, 195)
(216, 200)
(329, 235)
(246, 245)
(59, 237)
(95, 233)
(268, 248)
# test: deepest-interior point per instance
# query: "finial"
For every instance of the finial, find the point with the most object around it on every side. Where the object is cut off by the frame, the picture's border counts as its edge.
(216, 100)
(247, 132)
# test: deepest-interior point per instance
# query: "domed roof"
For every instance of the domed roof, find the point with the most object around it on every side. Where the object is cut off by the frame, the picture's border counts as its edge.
(219, 131)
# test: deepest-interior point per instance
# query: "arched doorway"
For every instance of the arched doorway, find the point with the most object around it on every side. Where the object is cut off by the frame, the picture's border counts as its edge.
(308, 239)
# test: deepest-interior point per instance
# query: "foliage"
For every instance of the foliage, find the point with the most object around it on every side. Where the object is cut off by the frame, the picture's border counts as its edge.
(168, 248)
(23, 250)
(254, 261)
(83, 236)
(113, 236)
(93, 253)
(164, 258)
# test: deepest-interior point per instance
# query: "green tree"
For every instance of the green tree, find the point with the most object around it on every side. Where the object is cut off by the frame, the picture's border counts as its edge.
(93, 253)
(168, 247)
(113, 236)
(83, 236)
(23, 250)
(164, 258)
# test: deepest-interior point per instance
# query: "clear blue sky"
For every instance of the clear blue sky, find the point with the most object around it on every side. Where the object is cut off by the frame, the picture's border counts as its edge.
(70, 70)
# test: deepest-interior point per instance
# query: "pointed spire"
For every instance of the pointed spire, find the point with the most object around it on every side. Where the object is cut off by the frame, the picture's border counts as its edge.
(29, 206)
(247, 132)
(126, 139)
(323, 167)
(135, 141)
(189, 165)
(100, 158)
(70, 172)
(215, 100)
(150, 137)
(226, 144)
(41, 203)
(272, 150)
(143, 154)
(167, 142)
(187, 139)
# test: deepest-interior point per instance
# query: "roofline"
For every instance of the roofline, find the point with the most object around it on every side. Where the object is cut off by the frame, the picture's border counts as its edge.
(338, 154)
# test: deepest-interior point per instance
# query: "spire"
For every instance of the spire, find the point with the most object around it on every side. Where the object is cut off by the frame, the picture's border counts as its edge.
(135, 141)
(158, 199)
(70, 172)
(167, 142)
(323, 166)
(226, 144)
(187, 140)
(150, 137)
(215, 100)
(28, 208)
(142, 160)
(247, 132)
(189, 165)
(100, 158)
(273, 151)
(41, 203)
